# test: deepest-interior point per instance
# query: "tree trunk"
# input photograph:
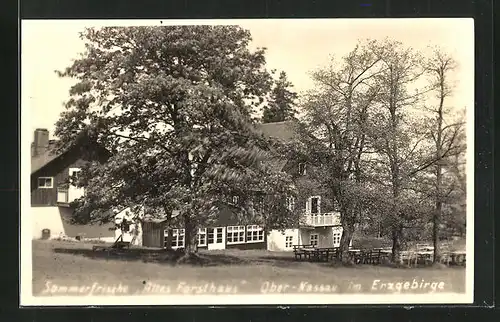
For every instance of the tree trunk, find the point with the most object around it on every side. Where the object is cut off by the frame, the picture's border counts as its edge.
(347, 222)
(168, 245)
(345, 240)
(397, 231)
(190, 243)
(439, 168)
(435, 230)
(168, 228)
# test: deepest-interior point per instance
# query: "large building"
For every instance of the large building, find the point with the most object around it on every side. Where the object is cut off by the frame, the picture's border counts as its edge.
(52, 193)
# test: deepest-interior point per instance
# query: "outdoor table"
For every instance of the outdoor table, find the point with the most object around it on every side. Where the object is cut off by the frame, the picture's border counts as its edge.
(311, 253)
(458, 257)
(320, 254)
(356, 255)
(300, 250)
(426, 256)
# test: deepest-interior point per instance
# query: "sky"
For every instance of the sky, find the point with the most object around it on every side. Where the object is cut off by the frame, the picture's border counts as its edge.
(296, 46)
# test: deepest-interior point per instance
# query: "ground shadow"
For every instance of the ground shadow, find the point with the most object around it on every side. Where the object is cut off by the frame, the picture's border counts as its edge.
(172, 257)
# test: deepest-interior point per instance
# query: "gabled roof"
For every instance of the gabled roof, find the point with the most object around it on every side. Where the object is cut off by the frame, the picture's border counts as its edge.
(278, 130)
(47, 156)
(283, 131)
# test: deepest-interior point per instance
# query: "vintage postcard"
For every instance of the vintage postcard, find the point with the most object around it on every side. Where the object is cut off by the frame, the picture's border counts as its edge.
(293, 161)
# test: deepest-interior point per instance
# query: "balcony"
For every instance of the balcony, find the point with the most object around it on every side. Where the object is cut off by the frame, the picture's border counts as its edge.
(321, 220)
(67, 195)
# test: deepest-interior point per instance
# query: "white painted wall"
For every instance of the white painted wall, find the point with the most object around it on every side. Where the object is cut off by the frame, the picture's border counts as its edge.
(51, 218)
(46, 218)
(276, 239)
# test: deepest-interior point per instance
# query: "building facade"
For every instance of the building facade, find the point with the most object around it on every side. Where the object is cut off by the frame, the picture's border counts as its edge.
(319, 221)
(52, 193)
(225, 233)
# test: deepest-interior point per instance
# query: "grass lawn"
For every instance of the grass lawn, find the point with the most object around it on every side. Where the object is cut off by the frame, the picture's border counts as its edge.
(57, 265)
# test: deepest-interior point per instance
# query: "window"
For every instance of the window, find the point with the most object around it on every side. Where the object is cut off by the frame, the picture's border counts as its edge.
(235, 200)
(288, 241)
(73, 174)
(336, 239)
(302, 169)
(313, 205)
(211, 236)
(255, 234)
(214, 235)
(202, 237)
(218, 237)
(177, 238)
(290, 203)
(45, 182)
(314, 239)
(235, 234)
(258, 204)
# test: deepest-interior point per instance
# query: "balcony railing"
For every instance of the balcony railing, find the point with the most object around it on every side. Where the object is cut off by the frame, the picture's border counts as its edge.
(62, 195)
(323, 219)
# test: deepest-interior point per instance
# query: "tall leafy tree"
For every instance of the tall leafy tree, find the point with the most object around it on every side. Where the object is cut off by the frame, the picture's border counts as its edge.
(447, 139)
(281, 104)
(395, 131)
(173, 106)
(399, 133)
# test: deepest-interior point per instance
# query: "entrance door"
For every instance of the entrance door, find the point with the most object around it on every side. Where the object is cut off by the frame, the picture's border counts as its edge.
(216, 238)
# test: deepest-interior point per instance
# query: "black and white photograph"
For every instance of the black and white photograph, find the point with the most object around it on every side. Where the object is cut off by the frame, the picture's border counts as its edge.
(251, 161)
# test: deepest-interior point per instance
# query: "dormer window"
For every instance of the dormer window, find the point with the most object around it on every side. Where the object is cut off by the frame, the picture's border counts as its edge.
(235, 200)
(302, 169)
(73, 175)
(290, 203)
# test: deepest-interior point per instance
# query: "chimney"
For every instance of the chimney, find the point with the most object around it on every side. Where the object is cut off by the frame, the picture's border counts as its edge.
(41, 142)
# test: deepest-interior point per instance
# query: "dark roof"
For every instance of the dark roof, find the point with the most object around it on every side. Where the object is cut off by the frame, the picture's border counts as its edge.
(283, 131)
(41, 160)
(278, 130)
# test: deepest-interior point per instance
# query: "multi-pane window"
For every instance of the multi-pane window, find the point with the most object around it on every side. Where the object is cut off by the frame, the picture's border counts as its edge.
(302, 169)
(202, 237)
(177, 238)
(218, 235)
(288, 241)
(314, 239)
(211, 236)
(336, 239)
(45, 182)
(290, 203)
(235, 234)
(255, 234)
